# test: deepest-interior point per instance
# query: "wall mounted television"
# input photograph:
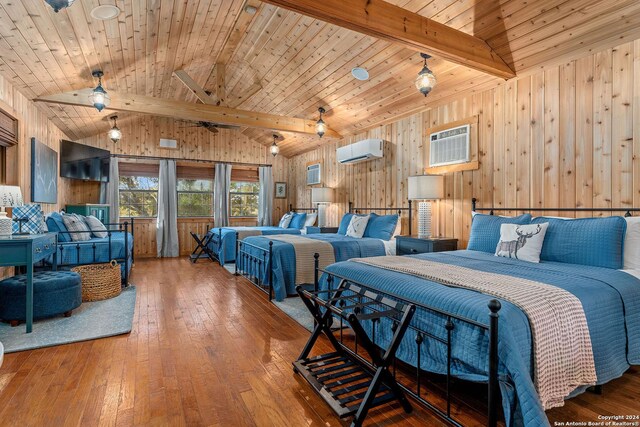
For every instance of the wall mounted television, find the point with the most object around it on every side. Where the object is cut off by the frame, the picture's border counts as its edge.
(79, 161)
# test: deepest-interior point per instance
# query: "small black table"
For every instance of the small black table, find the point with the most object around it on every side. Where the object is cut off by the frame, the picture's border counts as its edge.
(411, 245)
(318, 230)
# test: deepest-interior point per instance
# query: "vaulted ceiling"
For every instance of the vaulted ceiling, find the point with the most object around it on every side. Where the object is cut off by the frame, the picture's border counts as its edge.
(278, 61)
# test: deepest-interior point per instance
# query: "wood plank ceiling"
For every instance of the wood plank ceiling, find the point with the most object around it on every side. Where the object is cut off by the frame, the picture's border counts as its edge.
(280, 62)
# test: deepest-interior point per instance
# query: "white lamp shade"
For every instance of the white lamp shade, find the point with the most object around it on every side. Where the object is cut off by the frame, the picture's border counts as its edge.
(425, 187)
(322, 195)
(10, 196)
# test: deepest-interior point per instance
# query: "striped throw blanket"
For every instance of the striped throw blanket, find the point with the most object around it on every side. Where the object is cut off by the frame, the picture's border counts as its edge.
(246, 232)
(563, 356)
(305, 249)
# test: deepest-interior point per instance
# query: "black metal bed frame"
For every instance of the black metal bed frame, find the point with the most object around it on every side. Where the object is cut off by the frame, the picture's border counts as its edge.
(492, 209)
(257, 268)
(415, 389)
(122, 227)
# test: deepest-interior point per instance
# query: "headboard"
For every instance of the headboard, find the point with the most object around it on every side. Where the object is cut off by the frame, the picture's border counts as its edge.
(399, 211)
(491, 210)
(292, 209)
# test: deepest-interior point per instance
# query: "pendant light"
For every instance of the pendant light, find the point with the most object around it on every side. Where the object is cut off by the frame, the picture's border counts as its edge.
(274, 147)
(321, 127)
(57, 5)
(115, 133)
(426, 81)
(99, 97)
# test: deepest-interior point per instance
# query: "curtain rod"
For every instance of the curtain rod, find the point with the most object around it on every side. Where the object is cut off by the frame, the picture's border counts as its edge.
(132, 156)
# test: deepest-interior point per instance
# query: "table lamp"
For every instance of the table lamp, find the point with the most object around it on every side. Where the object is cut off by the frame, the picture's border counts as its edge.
(322, 196)
(425, 188)
(10, 196)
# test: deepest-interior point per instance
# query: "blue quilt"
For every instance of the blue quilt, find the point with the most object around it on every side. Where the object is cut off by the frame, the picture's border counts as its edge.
(284, 259)
(69, 254)
(610, 298)
(226, 249)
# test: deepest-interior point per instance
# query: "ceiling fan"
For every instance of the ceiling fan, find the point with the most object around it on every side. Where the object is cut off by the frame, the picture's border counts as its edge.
(210, 126)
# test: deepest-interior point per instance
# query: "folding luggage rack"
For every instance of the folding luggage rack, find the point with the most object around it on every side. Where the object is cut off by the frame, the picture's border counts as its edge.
(348, 383)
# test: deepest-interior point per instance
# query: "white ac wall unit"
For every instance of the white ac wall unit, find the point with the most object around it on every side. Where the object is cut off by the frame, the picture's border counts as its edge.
(314, 174)
(449, 147)
(361, 151)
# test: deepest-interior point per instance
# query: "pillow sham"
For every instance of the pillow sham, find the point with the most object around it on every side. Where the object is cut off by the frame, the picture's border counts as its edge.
(56, 225)
(33, 216)
(632, 244)
(97, 228)
(523, 242)
(357, 226)
(381, 226)
(74, 222)
(598, 242)
(485, 230)
(298, 220)
(344, 223)
(311, 219)
(285, 220)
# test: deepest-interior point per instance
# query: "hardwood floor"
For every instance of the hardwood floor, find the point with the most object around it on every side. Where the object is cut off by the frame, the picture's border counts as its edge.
(206, 349)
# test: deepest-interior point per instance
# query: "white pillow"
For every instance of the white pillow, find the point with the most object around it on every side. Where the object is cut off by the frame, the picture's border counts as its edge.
(311, 219)
(523, 242)
(357, 225)
(398, 229)
(285, 220)
(97, 228)
(75, 222)
(632, 244)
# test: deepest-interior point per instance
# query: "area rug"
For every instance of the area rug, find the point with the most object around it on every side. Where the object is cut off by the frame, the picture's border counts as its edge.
(295, 308)
(90, 321)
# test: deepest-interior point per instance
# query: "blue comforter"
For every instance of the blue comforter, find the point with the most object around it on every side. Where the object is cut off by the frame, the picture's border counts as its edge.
(610, 298)
(223, 242)
(284, 259)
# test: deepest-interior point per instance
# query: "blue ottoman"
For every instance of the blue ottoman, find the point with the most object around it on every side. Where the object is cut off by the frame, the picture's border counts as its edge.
(54, 292)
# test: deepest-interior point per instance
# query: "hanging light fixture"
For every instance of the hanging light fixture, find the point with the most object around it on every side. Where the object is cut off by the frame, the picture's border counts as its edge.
(321, 126)
(99, 97)
(57, 5)
(115, 133)
(274, 147)
(426, 81)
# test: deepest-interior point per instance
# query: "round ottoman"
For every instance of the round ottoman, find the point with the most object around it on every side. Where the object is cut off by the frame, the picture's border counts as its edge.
(54, 292)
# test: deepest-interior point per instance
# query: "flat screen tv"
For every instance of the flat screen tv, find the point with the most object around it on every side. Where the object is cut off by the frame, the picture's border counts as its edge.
(79, 161)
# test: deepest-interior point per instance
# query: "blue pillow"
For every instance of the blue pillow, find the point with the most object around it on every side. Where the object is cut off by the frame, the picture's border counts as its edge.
(344, 223)
(298, 220)
(381, 226)
(485, 231)
(55, 224)
(586, 241)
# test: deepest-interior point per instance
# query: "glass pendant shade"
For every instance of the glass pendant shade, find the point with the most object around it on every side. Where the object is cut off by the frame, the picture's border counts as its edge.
(115, 134)
(99, 98)
(275, 149)
(57, 5)
(426, 81)
(321, 127)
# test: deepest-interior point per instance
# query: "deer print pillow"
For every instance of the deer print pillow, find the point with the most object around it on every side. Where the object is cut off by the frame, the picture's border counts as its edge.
(523, 242)
(357, 226)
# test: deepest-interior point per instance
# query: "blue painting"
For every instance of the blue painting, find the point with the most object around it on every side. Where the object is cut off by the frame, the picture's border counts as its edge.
(44, 173)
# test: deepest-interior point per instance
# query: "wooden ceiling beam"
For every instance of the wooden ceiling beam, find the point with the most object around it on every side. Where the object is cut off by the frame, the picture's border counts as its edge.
(194, 87)
(386, 21)
(190, 111)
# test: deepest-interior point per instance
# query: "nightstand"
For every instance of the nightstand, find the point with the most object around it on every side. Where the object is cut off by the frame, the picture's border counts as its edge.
(318, 230)
(411, 245)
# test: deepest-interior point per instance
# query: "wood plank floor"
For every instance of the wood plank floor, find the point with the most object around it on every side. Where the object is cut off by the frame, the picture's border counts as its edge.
(206, 349)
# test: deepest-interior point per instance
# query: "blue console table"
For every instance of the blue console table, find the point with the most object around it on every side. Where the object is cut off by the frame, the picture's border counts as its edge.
(26, 251)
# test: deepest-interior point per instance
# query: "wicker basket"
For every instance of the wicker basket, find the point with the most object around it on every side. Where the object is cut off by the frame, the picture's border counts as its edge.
(99, 281)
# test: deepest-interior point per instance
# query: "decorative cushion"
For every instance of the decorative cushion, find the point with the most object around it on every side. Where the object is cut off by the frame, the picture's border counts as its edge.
(96, 226)
(523, 242)
(381, 226)
(33, 214)
(588, 241)
(55, 224)
(311, 219)
(344, 223)
(632, 244)
(74, 222)
(298, 220)
(485, 231)
(285, 220)
(357, 226)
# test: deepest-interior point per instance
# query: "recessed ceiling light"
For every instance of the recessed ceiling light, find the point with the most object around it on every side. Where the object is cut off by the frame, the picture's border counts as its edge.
(105, 12)
(360, 73)
(251, 10)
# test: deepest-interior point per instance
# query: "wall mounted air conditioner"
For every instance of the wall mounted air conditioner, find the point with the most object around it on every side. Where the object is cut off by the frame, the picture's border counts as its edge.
(449, 147)
(314, 173)
(361, 151)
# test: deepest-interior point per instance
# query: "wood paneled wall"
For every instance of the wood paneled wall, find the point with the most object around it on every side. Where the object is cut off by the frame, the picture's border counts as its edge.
(568, 136)
(141, 136)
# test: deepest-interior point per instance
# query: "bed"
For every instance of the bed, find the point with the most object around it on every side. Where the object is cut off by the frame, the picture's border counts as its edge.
(222, 240)
(277, 263)
(609, 296)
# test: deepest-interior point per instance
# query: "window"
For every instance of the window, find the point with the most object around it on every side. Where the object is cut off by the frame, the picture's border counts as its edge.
(138, 196)
(244, 198)
(195, 197)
